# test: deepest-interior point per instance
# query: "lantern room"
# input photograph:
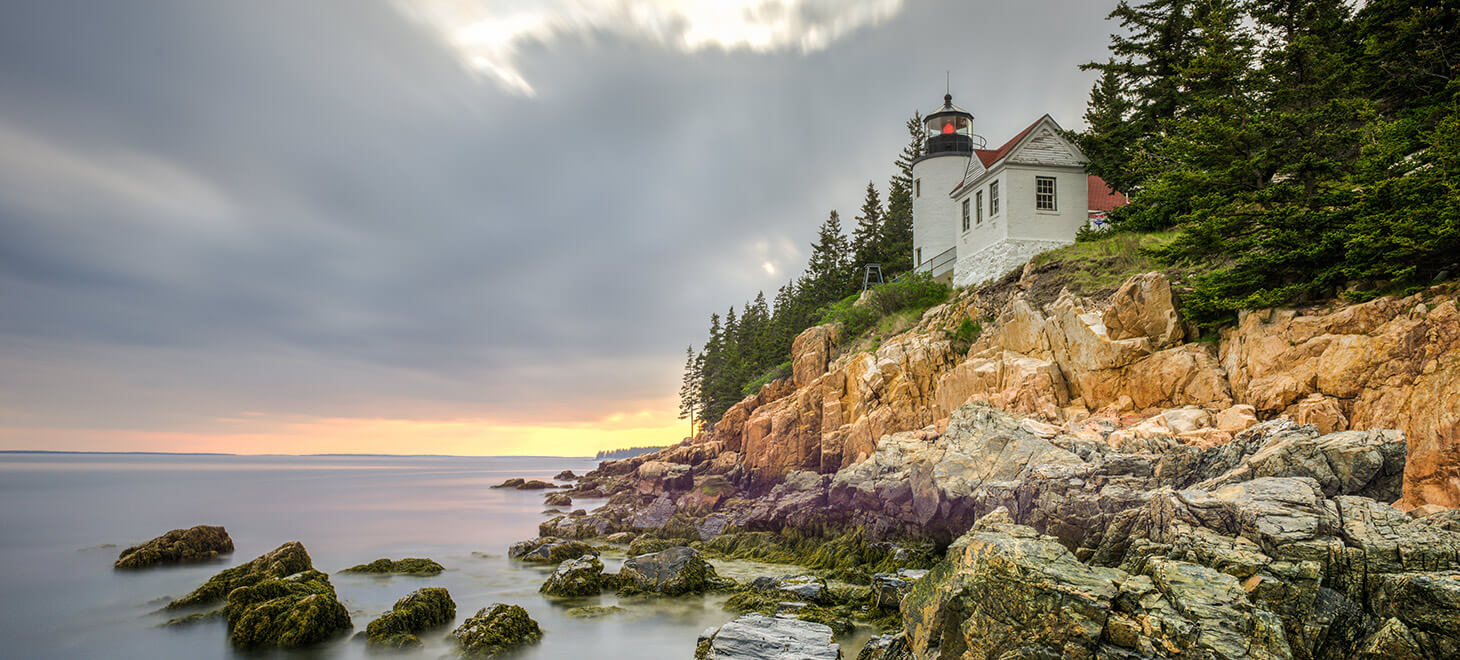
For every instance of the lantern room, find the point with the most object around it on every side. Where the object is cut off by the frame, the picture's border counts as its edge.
(949, 129)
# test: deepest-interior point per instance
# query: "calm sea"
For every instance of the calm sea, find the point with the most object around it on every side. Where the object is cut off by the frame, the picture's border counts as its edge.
(64, 518)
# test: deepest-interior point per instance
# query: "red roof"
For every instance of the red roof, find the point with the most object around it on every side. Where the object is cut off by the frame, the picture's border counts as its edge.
(1102, 198)
(991, 156)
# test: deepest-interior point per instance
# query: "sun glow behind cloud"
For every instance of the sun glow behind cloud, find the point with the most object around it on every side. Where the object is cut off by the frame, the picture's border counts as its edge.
(488, 35)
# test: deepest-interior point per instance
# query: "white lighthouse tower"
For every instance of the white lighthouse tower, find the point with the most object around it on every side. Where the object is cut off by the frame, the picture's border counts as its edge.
(949, 144)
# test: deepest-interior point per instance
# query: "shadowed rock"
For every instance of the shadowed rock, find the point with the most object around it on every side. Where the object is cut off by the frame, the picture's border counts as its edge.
(195, 544)
(283, 561)
(422, 610)
(299, 610)
(495, 630)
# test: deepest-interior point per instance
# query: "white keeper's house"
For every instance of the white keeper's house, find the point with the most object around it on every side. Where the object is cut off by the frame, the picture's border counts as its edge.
(978, 213)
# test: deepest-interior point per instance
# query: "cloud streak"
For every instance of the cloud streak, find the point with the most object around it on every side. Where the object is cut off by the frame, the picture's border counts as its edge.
(489, 35)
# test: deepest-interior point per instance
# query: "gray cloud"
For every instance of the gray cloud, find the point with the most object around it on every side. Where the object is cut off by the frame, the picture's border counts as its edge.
(313, 208)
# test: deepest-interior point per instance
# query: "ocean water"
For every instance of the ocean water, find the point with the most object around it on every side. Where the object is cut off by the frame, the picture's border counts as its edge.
(64, 518)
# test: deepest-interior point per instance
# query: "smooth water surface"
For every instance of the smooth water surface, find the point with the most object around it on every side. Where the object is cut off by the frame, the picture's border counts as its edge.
(64, 518)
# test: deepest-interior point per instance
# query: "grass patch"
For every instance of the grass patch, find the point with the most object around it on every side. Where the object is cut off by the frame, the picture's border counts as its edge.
(782, 370)
(1103, 260)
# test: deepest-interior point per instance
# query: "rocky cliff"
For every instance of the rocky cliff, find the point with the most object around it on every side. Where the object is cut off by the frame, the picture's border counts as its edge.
(1119, 369)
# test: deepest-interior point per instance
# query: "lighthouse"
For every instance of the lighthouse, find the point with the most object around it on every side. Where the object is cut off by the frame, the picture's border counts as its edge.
(948, 144)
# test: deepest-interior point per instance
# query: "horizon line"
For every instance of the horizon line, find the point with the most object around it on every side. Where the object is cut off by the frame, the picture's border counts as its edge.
(332, 454)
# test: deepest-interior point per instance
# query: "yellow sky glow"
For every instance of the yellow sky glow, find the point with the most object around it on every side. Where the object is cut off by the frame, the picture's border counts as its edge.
(252, 433)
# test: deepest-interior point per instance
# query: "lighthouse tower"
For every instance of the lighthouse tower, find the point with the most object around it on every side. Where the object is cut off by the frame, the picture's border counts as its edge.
(949, 144)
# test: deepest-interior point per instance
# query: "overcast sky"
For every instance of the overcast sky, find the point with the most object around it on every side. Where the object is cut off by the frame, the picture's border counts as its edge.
(444, 226)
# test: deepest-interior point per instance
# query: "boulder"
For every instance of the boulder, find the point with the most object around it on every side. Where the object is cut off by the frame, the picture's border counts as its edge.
(575, 578)
(282, 561)
(1144, 307)
(408, 566)
(1368, 463)
(535, 484)
(889, 588)
(419, 611)
(892, 646)
(549, 550)
(565, 475)
(195, 544)
(495, 630)
(759, 637)
(806, 588)
(671, 572)
(511, 483)
(291, 612)
(558, 499)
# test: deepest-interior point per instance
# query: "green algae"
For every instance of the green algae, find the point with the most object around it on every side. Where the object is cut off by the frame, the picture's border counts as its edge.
(283, 561)
(593, 611)
(407, 566)
(575, 578)
(419, 611)
(847, 556)
(290, 612)
(195, 544)
(496, 629)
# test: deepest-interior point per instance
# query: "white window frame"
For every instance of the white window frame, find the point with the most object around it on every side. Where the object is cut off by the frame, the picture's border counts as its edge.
(978, 205)
(993, 199)
(965, 214)
(1052, 196)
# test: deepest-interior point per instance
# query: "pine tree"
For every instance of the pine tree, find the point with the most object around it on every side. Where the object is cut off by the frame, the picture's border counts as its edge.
(1110, 138)
(689, 387)
(866, 246)
(827, 277)
(895, 242)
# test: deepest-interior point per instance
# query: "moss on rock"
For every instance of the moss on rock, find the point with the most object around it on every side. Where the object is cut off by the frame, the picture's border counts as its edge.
(282, 561)
(593, 611)
(407, 566)
(645, 545)
(549, 549)
(290, 612)
(419, 611)
(493, 630)
(575, 578)
(195, 544)
(671, 572)
(558, 499)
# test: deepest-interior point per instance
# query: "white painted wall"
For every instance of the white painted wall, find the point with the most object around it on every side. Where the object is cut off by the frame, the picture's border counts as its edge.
(1071, 200)
(995, 228)
(935, 217)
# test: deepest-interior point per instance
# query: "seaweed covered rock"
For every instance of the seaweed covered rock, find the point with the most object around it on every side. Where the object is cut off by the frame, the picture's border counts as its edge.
(672, 572)
(282, 561)
(535, 484)
(496, 629)
(549, 549)
(407, 566)
(647, 544)
(558, 499)
(290, 612)
(889, 588)
(575, 577)
(886, 647)
(195, 544)
(806, 588)
(565, 475)
(760, 637)
(419, 611)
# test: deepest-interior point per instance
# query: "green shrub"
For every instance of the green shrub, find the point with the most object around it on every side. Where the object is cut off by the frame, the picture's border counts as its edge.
(967, 333)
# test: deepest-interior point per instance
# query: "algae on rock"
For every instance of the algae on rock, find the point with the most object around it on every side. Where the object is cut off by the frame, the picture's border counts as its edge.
(282, 561)
(195, 544)
(407, 566)
(496, 629)
(575, 578)
(290, 612)
(419, 611)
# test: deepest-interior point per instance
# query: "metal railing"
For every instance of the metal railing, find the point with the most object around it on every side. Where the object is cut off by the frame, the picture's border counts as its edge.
(939, 264)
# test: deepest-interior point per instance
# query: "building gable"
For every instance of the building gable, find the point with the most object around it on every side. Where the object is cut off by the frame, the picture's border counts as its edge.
(1045, 146)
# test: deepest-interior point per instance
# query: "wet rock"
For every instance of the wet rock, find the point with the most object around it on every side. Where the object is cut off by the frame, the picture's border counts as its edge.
(195, 544)
(647, 544)
(654, 516)
(671, 572)
(535, 484)
(496, 629)
(565, 475)
(760, 637)
(283, 561)
(886, 647)
(292, 612)
(593, 611)
(575, 578)
(889, 588)
(549, 550)
(807, 588)
(419, 611)
(712, 525)
(511, 483)
(558, 499)
(408, 566)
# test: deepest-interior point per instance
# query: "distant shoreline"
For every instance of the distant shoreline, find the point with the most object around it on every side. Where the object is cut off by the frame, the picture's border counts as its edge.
(186, 453)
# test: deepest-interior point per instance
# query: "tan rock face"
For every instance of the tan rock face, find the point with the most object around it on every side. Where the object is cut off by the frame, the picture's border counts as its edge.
(1388, 363)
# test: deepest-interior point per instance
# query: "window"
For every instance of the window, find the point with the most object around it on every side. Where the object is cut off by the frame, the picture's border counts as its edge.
(917, 187)
(965, 214)
(1044, 193)
(918, 257)
(994, 199)
(978, 210)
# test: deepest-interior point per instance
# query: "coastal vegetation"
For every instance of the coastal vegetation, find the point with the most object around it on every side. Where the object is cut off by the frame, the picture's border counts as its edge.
(421, 610)
(1300, 151)
(407, 566)
(615, 454)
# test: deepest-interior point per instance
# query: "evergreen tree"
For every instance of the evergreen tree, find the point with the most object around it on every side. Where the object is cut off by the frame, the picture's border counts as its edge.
(1110, 138)
(827, 277)
(866, 246)
(895, 241)
(689, 387)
